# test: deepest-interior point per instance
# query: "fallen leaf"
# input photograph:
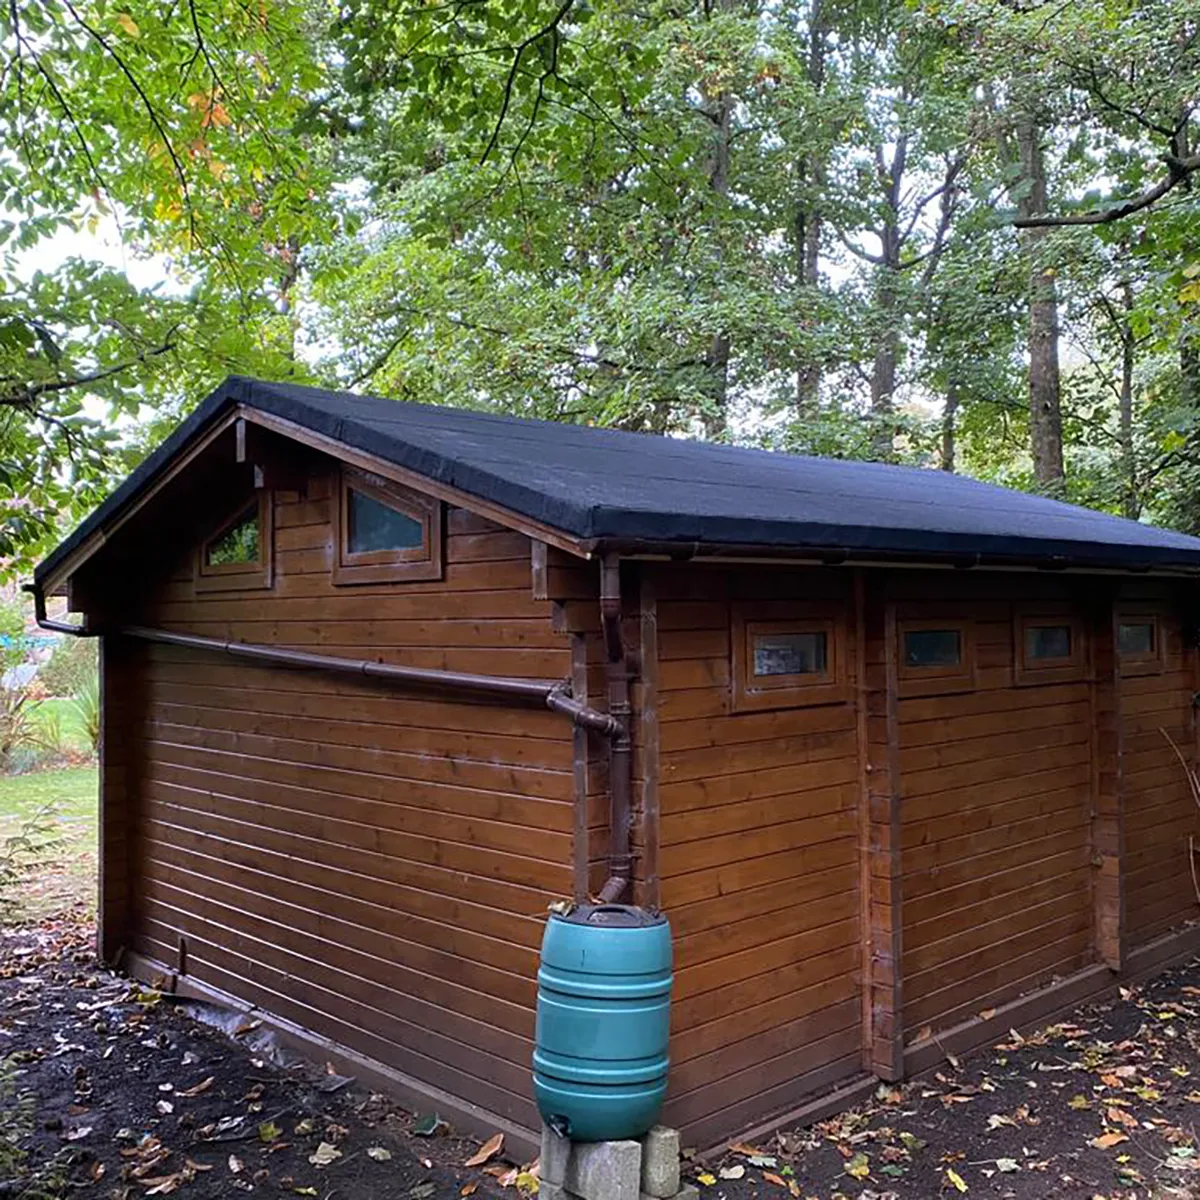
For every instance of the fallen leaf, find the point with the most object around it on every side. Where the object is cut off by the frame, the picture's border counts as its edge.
(75, 1135)
(769, 1178)
(201, 1087)
(164, 1107)
(487, 1151)
(859, 1166)
(1106, 1141)
(737, 1171)
(987, 1014)
(379, 1154)
(1118, 1116)
(705, 1178)
(469, 1189)
(763, 1160)
(1007, 1164)
(269, 1132)
(924, 1033)
(236, 1166)
(956, 1179)
(429, 1125)
(324, 1154)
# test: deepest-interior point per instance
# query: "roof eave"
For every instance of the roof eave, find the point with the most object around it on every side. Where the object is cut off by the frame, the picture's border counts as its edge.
(824, 555)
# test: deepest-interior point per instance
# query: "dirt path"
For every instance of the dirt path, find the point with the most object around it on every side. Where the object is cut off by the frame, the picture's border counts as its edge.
(113, 1091)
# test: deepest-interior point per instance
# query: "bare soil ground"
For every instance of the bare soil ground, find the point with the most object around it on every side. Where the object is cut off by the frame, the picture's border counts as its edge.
(108, 1089)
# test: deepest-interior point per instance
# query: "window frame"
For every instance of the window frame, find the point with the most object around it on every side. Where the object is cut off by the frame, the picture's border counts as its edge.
(240, 577)
(424, 562)
(939, 679)
(1071, 668)
(757, 693)
(1139, 664)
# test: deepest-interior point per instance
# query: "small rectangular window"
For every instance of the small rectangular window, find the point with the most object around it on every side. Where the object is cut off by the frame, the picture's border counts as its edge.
(932, 647)
(1047, 642)
(786, 661)
(1140, 649)
(1048, 645)
(1135, 639)
(935, 649)
(790, 654)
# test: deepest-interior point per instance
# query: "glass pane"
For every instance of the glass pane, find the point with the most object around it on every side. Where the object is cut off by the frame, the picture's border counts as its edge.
(932, 648)
(1136, 638)
(239, 544)
(376, 526)
(1047, 641)
(790, 654)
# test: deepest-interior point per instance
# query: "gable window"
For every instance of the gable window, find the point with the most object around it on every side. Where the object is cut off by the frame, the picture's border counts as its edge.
(237, 555)
(785, 661)
(1049, 646)
(385, 532)
(239, 544)
(935, 653)
(1139, 643)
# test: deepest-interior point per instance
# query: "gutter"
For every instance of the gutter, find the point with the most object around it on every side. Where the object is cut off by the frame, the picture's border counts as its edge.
(734, 552)
(555, 695)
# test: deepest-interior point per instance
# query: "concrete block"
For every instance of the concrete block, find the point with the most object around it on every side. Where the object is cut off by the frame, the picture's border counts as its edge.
(660, 1162)
(556, 1154)
(605, 1170)
(687, 1191)
(552, 1191)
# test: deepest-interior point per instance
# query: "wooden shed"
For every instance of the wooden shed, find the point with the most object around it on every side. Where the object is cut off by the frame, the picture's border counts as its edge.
(894, 750)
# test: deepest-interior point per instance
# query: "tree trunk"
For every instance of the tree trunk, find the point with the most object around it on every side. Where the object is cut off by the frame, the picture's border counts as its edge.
(716, 416)
(1131, 505)
(949, 417)
(1045, 410)
(887, 303)
(810, 176)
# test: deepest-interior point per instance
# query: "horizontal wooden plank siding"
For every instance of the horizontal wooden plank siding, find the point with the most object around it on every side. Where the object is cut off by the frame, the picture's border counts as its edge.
(995, 783)
(371, 863)
(1160, 814)
(758, 865)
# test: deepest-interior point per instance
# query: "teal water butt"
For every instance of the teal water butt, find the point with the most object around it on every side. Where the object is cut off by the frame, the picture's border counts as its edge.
(603, 1020)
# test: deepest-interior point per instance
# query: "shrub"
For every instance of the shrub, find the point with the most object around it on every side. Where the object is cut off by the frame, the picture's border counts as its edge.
(71, 664)
(87, 704)
(36, 834)
(19, 727)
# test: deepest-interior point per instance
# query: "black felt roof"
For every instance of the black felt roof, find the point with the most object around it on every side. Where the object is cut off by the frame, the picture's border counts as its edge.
(604, 484)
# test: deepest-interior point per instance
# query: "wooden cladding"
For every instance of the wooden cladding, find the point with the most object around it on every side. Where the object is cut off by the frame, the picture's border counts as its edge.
(871, 801)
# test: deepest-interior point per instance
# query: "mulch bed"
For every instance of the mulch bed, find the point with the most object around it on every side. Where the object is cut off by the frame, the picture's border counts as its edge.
(116, 1091)
(1101, 1107)
(111, 1090)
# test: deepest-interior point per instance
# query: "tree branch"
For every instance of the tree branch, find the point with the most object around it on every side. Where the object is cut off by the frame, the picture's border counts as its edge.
(27, 394)
(1178, 169)
(518, 52)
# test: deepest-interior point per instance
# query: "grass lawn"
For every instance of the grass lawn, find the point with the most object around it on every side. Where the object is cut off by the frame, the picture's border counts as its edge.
(63, 871)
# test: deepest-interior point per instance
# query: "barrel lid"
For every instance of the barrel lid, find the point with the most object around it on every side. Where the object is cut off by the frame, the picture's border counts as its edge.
(614, 916)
